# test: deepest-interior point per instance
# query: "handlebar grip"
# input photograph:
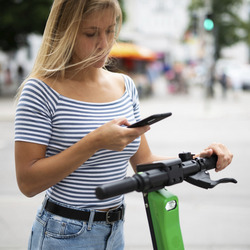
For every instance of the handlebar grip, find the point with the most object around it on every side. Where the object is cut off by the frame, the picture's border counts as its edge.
(124, 186)
(209, 163)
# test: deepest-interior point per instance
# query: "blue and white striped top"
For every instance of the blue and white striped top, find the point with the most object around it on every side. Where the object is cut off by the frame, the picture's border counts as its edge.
(45, 117)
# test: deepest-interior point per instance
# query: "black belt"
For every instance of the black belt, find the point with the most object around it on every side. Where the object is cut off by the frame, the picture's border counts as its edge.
(110, 216)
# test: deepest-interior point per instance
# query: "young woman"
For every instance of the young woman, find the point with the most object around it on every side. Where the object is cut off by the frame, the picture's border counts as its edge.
(71, 130)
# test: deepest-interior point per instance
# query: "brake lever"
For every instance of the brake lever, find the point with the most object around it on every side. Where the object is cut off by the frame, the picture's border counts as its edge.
(202, 179)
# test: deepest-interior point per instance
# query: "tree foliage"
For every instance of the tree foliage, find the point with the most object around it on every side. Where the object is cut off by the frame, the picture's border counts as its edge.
(124, 16)
(228, 26)
(19, 18)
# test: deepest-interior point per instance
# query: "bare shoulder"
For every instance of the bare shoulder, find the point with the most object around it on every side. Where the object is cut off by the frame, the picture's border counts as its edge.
(116, 78)
(51, 82)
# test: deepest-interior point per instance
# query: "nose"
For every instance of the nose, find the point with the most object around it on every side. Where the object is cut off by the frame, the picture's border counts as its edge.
(104, 41)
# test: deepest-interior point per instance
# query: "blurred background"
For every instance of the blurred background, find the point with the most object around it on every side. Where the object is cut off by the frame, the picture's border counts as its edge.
(189, 57)
(194, 42)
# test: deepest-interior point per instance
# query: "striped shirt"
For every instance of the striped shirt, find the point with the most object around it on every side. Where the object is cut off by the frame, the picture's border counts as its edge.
(45, 117)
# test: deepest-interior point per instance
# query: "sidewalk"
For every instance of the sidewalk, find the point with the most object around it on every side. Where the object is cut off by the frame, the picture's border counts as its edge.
(216, 219)
(7, 107)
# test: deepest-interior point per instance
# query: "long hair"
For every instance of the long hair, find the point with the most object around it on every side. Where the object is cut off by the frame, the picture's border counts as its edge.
(55, 54)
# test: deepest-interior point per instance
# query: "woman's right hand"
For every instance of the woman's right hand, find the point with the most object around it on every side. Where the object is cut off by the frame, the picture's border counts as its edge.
(114, 136)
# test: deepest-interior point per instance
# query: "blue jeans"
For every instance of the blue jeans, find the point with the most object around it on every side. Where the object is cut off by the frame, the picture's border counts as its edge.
(52, 232)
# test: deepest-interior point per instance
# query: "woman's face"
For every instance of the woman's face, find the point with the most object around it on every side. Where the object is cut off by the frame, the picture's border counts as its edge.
(95, 37)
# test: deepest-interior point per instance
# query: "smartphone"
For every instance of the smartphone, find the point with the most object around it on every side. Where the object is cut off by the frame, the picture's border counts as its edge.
(150, 120)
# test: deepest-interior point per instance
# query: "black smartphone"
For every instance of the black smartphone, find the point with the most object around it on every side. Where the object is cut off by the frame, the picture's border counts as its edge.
(150, 120)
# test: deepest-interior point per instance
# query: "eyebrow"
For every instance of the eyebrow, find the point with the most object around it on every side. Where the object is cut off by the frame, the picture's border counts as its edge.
(96, 28)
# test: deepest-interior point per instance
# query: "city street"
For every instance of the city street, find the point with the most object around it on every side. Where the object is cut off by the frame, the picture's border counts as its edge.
(216, 219)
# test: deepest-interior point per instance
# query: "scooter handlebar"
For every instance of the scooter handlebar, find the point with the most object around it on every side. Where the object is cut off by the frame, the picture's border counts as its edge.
(157, 175)
(116, 188)
(143, 182)
(208, 163)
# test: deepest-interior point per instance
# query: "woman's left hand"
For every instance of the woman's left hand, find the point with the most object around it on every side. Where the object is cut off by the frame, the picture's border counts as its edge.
(224, 155)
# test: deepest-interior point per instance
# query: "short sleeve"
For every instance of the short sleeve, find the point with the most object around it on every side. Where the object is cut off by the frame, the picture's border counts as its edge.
(132, 91)
(34, 114)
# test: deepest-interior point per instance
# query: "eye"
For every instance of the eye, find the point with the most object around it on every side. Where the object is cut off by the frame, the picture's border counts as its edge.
(110, 31)
(90, 34)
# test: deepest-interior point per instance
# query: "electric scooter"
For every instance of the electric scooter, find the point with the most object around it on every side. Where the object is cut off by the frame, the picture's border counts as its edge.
(162, 206)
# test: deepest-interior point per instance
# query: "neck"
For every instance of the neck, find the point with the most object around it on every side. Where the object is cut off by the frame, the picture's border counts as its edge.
(89, 74)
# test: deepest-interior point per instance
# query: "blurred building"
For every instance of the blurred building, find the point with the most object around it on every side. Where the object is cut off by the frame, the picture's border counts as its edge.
(158, 25)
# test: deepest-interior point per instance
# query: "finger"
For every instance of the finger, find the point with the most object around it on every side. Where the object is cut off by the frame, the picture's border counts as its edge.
(121, 121)
(218, 150)
(224, 156)
(139, 130)
(223, 161)
(206, 152)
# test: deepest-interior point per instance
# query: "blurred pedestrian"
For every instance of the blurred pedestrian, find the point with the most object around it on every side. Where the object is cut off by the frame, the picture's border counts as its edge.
(20, 73)
(224, 83)
(7, 78)
(1, 78)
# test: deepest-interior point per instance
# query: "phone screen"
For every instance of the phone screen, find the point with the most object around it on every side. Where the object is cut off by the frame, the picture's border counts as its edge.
(150, 120)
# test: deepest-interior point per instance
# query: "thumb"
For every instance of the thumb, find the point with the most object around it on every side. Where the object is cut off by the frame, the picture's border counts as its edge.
(206, 152)
(122, 121)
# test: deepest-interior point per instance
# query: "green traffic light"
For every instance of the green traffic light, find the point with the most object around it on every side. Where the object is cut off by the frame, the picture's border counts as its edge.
(208, 24)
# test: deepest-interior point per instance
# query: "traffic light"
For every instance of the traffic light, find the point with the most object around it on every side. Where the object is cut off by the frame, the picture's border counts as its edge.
(208, 22)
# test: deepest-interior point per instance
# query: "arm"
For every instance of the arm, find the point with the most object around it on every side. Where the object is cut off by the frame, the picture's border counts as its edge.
(35, 173)
(144, 155)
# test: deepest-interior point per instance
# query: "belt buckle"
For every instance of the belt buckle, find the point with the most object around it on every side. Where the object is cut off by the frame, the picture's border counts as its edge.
(119, 210)
(107, 218)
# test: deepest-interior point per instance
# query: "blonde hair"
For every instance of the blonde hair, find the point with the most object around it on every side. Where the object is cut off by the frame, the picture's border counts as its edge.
(60, 33)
